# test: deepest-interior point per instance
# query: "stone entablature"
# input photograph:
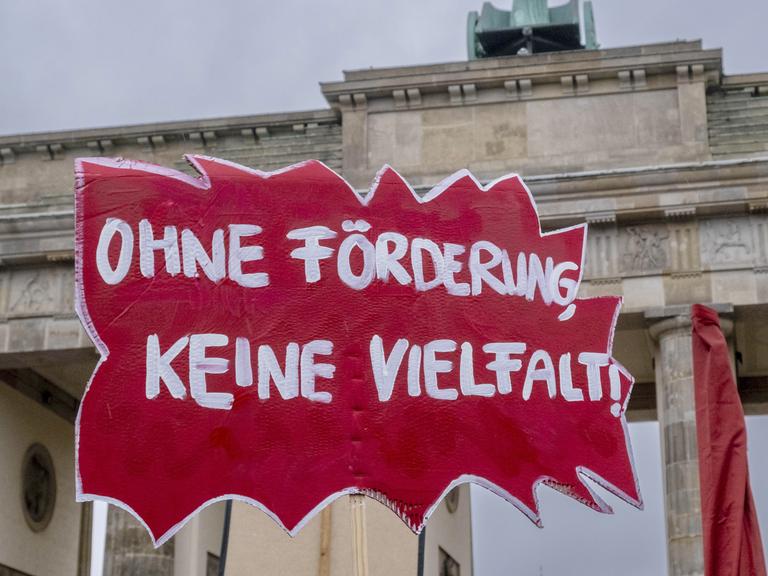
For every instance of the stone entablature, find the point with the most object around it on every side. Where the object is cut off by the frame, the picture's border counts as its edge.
(42, 230)
(659, 236)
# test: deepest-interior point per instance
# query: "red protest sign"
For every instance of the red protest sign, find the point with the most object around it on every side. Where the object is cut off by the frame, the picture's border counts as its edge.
(276, 337)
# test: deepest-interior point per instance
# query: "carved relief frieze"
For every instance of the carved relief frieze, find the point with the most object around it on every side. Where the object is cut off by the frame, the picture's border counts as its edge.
(644, 248)
(33, 292)
(726, 242)
(67, 300)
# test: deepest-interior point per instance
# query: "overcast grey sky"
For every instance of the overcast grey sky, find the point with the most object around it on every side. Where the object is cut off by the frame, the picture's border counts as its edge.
(85, 63)
(576, 541)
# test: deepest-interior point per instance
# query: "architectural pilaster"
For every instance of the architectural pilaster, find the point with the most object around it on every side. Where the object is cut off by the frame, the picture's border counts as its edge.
(129, 549)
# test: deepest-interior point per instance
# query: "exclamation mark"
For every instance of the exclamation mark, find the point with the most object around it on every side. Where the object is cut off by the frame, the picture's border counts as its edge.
(615, 377)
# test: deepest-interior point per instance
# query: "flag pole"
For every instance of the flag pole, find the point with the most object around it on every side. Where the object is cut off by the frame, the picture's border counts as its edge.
(225, 538)
(359, 535)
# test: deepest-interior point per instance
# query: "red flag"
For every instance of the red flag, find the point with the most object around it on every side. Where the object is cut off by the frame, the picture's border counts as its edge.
(732, 544)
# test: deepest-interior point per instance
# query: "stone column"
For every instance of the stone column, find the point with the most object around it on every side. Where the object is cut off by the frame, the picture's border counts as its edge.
(129, 550)
(677, 422)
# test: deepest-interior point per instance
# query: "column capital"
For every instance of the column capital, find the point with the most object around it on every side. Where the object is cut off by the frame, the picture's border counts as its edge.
(678, 318)
(661, 326)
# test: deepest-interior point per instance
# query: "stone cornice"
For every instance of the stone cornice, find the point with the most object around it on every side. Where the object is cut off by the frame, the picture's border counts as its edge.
(573, 70)
(713, 183)
(106, 137)
(746, 81)
(548, 58)
(651, 193)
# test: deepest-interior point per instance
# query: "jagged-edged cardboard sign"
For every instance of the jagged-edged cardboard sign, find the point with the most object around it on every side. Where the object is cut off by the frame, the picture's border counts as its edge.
(280, 339)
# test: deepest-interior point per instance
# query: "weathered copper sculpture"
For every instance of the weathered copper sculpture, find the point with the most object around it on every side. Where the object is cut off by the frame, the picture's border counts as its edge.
(530, 27)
